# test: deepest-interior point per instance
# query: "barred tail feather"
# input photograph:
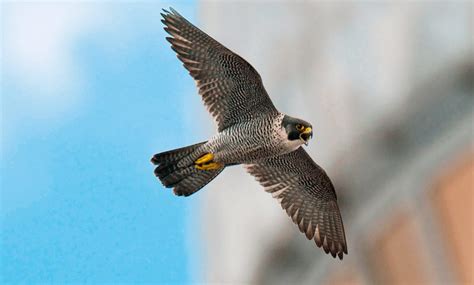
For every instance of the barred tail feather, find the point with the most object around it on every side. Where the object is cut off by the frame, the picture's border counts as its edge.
(176, 169)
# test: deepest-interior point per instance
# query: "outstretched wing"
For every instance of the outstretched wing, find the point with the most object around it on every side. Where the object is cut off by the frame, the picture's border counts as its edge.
(230, 87)
(306, 193)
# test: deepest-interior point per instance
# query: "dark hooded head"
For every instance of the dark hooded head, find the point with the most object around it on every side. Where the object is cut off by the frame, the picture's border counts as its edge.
(297, 129)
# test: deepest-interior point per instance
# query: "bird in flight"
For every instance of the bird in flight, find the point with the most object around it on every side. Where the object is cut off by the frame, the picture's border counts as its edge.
(252, 132)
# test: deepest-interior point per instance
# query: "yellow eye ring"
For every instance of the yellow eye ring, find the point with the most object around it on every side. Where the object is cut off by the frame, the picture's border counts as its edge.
(299, 127)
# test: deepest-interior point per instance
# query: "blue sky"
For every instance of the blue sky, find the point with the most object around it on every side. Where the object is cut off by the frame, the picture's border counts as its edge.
(89, 92)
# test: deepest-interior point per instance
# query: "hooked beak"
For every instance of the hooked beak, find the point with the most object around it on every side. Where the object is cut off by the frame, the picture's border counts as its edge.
(306, 135)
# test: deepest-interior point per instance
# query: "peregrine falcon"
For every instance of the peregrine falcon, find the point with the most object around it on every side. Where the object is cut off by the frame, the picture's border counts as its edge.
(252, 132)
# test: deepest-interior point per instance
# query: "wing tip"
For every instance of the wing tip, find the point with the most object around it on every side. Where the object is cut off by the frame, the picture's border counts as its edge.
(168, 16)
(335, 248)
(174, 11)
(170, 13)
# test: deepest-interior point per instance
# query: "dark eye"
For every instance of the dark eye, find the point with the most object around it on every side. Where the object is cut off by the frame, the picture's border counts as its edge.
(299, 127)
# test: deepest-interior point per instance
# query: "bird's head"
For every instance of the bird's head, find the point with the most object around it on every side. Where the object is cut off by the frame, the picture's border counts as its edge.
(297, 129)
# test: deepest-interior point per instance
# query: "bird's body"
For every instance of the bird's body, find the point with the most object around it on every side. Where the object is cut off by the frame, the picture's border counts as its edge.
(252, 132)
(250, 141)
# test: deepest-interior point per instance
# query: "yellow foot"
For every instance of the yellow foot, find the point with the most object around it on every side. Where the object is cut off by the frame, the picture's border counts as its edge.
(209, 166)
(208, 157)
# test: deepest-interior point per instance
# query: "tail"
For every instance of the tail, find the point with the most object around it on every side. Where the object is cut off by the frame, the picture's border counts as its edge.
(178, 169)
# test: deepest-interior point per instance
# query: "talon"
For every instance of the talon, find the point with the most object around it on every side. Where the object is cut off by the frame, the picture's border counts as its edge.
(208, 157)
(209, 166)
(205, 162)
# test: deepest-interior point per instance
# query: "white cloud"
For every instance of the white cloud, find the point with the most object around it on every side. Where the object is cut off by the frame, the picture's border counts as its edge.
(41, 75)
(38, 47)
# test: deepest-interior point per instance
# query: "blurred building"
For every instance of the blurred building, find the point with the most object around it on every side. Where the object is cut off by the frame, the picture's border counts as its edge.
(389, 91)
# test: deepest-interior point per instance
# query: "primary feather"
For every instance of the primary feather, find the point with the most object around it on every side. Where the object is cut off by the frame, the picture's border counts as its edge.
(230, 87)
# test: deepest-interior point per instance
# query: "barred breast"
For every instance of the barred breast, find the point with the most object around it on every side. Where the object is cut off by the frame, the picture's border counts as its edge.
(249, 141)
